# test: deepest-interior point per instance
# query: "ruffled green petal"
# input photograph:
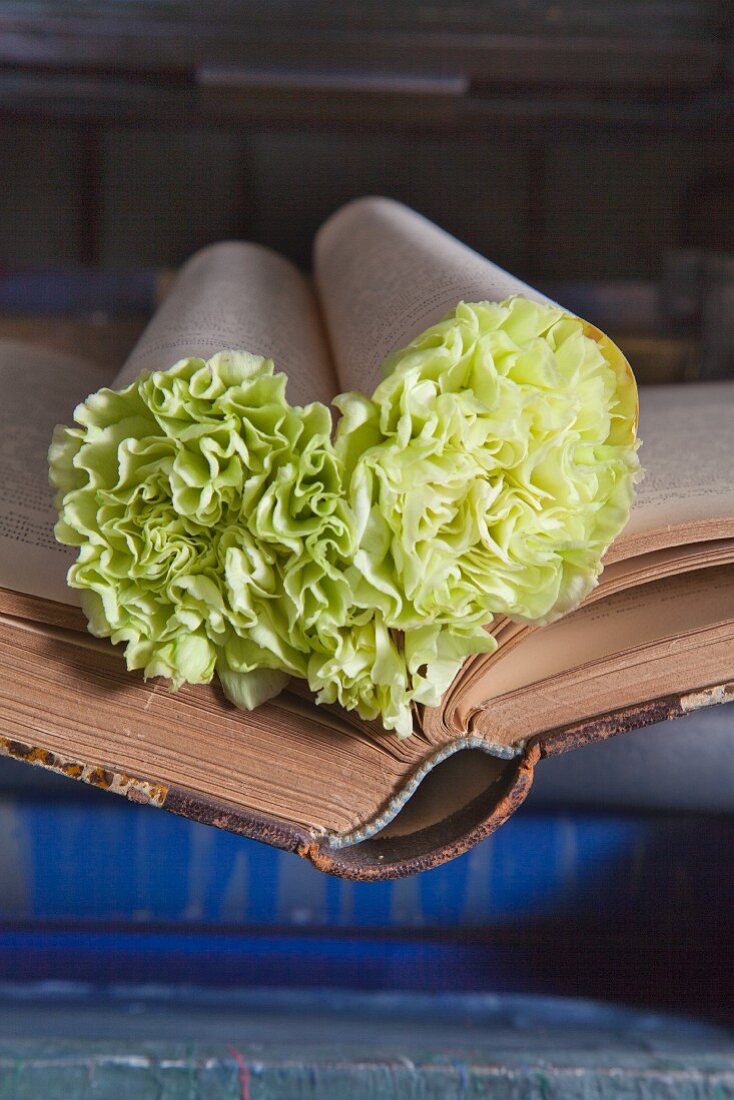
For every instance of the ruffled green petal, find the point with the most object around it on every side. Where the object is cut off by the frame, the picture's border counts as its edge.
(492, 468)
(211, 522)
(247, 690)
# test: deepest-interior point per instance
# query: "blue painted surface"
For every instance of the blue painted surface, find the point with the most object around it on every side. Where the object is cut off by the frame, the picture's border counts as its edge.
(250, 959)
(649, 971)
(613, 906)
(78, 292)
(108, 861)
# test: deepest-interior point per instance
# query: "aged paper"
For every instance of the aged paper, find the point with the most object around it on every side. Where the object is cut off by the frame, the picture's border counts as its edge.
(687, 454)
(40, 389)
(240, 297)
(639, 616)
(384, 274)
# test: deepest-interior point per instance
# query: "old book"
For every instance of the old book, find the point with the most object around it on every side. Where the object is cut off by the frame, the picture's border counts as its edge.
(655, 639)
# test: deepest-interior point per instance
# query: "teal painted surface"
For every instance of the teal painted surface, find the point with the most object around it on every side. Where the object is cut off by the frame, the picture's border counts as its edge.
(180, 1072)
(200, 1045)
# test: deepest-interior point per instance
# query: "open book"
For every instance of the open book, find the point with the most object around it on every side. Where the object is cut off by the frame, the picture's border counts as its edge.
(655, 639)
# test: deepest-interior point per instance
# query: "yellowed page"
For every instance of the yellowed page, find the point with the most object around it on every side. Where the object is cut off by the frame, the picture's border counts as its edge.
(40, 389)
(623, 622)
(688, 457)
(384, 274)
(241, 297)
(689, 663)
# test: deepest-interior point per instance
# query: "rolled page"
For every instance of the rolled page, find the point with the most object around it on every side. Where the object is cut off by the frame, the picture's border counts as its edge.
(385, 274)
(243, 297)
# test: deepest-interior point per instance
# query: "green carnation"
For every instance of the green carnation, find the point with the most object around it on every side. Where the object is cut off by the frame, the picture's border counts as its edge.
(220, 529)
(209, 515)
(381, 673)
(491, 469)
(214, 534)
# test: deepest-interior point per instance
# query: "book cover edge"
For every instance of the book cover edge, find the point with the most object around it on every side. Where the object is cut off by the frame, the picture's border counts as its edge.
(375, 859)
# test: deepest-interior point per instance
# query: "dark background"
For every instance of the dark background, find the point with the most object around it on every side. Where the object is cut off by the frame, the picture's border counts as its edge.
(588, 143)
(565, 140)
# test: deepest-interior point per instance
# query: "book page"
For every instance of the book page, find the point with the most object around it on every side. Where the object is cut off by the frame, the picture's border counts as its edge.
(631, 573)
(240, 297)
(384, 274)
(613, 684)
(687, 434)
(623, 622)
(40, 390)
(637, 644)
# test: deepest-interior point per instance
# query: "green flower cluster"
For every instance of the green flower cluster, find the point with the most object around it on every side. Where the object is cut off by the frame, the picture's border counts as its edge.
(221, 529)
(491, 469)
(211, 523)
